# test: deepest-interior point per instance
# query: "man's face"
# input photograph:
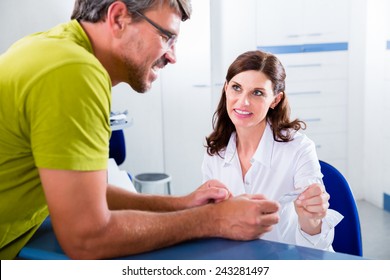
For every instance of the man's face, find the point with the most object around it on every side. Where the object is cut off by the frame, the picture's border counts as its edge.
(146, 48)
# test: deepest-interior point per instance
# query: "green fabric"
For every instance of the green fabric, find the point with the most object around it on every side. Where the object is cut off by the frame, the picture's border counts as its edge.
(55, 100)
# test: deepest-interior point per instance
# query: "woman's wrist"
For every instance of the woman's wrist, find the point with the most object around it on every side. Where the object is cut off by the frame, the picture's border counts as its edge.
(311, 226)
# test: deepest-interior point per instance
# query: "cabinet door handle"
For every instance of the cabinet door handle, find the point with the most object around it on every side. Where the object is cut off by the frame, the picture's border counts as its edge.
(305, 65)
(312, 120)
(314, 34)
(293, 36)
(201, 86)
(304, 93)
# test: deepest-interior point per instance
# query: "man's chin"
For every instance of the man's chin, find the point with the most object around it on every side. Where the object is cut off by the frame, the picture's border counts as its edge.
(140, 88)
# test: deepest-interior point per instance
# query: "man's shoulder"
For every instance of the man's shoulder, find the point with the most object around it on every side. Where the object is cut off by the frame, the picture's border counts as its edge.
(64, 42)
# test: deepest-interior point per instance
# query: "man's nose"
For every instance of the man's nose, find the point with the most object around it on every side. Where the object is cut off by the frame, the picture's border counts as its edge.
(170, 54)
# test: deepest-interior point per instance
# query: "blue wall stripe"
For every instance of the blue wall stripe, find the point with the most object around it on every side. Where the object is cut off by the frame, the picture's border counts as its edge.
(305, 48)
(386, 201)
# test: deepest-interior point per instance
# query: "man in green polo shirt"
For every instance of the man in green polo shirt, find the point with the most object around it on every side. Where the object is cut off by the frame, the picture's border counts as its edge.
(55, 98)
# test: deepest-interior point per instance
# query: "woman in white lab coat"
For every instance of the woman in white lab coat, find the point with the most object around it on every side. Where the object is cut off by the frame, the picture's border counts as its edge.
(256, 148)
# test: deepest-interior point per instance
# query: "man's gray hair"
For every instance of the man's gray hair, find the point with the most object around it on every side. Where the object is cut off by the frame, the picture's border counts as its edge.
(96, 10)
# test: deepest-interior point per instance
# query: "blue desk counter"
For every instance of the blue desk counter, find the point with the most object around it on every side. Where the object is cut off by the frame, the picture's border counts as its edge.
(44, 246)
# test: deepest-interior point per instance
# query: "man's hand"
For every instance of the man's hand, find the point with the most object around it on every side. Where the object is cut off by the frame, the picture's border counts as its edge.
(246, 217)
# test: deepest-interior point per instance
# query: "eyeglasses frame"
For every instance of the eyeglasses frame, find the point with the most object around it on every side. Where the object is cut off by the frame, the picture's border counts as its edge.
(171, 37)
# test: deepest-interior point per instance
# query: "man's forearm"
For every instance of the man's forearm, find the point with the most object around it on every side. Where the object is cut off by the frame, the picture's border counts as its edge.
(112, 233)
(120, 199)
(130, 232)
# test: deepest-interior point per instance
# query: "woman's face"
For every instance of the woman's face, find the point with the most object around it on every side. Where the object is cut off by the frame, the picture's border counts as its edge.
(249, 96)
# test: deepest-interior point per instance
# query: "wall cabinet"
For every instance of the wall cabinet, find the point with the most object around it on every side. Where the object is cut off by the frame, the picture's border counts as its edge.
(295, 22)
(317, 87)
(314, 52)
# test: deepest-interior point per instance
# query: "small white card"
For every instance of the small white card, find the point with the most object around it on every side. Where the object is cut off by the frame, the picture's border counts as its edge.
(291, 196)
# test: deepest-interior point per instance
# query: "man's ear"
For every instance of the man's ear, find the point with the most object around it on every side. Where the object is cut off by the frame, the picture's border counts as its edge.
(118, 17)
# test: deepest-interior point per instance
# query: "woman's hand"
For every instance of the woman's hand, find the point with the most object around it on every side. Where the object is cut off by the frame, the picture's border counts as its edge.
(311, 207)
(212, 191)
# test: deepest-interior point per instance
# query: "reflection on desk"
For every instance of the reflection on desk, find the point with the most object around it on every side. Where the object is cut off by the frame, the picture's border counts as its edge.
(44, 246)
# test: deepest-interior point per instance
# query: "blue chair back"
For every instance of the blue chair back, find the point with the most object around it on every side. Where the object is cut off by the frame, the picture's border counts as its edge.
(347, 233)
(117, 146)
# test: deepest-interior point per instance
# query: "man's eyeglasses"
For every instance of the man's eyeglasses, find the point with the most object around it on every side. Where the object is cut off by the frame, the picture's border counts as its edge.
(169, 37)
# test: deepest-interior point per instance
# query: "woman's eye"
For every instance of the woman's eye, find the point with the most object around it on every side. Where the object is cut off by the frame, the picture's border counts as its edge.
(236, 88)
(257, 93)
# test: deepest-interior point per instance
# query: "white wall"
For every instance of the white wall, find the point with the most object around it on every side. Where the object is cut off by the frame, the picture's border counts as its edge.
(19, 18)
(186, 91)
(386, 98)
(356, 97)
(144, 139)
(375, 125)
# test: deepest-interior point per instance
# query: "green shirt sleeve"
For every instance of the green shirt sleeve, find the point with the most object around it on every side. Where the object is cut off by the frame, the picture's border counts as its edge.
(69, 110)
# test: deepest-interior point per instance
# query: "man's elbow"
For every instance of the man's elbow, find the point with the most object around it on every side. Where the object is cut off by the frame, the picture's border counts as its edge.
(82, 248)
(86, 242)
